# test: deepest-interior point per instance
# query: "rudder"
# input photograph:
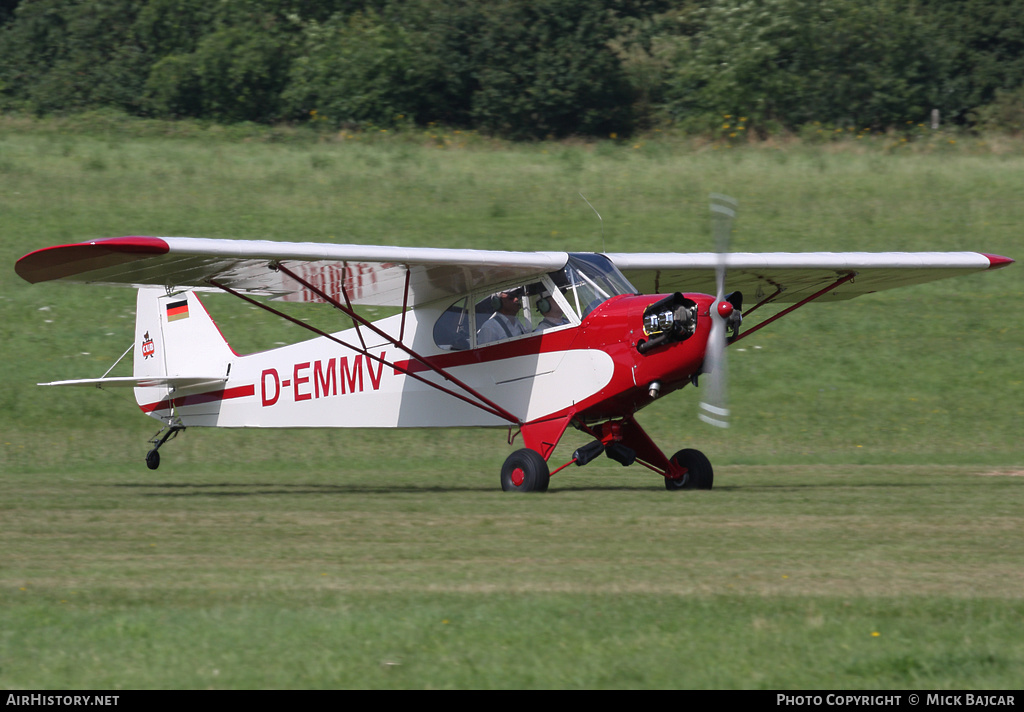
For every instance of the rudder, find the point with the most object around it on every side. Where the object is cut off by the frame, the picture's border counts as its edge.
(175, 337)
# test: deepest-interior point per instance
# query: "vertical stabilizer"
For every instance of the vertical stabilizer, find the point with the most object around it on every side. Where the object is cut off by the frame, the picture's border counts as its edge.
(175, 337)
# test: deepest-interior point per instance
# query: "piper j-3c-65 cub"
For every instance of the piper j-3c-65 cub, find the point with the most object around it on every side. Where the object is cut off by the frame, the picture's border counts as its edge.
(535, 341)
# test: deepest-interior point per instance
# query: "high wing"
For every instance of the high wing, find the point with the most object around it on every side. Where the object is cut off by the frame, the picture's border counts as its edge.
(397, 276)
(786, 278)
(362, 274)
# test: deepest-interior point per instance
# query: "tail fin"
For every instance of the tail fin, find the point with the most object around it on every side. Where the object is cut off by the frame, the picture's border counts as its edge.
(175, 338)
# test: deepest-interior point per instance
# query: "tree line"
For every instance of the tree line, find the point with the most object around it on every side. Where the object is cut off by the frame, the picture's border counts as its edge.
(521, 68)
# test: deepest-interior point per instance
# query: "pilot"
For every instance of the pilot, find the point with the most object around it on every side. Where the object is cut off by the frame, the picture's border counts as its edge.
(504, 323)
(552, 313)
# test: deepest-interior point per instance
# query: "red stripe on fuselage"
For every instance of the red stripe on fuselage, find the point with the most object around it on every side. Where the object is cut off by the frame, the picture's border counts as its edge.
(540, 343)
(199, 398)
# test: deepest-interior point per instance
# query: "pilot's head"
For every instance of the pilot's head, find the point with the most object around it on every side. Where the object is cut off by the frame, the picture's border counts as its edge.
(511, 301)
(548, 307)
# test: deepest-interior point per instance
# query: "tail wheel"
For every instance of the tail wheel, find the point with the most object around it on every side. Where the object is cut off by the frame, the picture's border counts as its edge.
(525, 471)
(699, 474)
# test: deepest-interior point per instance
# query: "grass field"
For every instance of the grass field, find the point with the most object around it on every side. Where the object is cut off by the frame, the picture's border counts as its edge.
(844, 577)
(864, 531)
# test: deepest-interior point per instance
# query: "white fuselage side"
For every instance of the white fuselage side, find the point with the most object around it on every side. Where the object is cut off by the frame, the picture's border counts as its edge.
(320, 383)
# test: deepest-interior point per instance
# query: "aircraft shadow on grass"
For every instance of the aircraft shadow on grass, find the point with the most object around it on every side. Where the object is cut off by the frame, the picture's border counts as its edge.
(266, 489)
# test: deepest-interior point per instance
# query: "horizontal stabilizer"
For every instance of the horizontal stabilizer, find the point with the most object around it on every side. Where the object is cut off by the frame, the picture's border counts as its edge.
(145, 382)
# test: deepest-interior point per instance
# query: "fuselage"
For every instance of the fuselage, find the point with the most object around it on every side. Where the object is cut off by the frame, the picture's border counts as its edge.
(592, 369)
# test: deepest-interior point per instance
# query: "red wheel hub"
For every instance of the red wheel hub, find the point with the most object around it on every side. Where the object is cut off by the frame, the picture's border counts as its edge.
(518, 476)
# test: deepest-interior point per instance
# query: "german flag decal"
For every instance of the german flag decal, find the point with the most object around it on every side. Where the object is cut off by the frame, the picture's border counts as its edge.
(177, 310)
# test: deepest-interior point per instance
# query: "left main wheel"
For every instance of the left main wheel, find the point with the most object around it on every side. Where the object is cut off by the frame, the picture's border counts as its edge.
(525, 471)
(699, 474)
(153, 459)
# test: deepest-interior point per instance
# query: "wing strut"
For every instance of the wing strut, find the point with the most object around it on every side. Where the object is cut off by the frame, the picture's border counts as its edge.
(482, 402)
(766, 300)
(766, 322)
(348, 311)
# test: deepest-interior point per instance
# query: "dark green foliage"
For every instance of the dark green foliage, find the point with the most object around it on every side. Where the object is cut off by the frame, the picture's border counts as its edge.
(66, 56)
(235, 74)
(1006, 113)
(519, 68)
(866, 64)
(168, 27)
(986, 38)
(228, 63)
(546, 68)
(7, 8)
(360, 70)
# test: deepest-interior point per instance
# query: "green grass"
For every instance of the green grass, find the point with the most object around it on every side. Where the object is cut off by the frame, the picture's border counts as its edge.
(849, 495)
(851, 577)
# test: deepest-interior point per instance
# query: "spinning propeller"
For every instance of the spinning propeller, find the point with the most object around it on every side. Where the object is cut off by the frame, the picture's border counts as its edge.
(724, 315)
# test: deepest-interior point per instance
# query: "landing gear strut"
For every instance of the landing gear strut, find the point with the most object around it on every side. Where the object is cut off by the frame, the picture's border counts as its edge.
(624, 441)
(153, 456)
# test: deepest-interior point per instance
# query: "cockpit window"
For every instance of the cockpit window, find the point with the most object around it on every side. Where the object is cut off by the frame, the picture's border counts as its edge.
(559, 299)
(521, 310)
(452, 329)
(588, 280)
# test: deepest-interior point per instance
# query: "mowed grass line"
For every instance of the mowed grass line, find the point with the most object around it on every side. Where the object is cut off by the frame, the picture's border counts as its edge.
(854, 577)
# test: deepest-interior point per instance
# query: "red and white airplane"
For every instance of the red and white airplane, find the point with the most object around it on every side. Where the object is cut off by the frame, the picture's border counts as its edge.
(532, 341)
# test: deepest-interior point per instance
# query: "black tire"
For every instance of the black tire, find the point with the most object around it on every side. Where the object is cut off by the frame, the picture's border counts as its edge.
(527, 468)
(153, 459)
(699, 474)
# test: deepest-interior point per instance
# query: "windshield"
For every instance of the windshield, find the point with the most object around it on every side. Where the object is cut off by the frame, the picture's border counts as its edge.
(588, 280)
(557, 300)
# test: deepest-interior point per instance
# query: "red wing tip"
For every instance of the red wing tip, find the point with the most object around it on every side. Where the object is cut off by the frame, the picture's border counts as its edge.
(997, 261)
(135, 243)
(61, 260)
(143, 245)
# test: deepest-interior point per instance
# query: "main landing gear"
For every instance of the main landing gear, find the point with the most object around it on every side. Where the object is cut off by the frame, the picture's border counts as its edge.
(526, 470)
(153, 456)
(697, 471)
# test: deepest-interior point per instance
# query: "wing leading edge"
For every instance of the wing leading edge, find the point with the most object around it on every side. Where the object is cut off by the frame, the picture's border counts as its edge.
(377, 275)
(791, 276)
(372, 275)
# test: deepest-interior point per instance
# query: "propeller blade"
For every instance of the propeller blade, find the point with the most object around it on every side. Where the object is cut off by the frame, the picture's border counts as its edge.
(723, 212)
(714, 407)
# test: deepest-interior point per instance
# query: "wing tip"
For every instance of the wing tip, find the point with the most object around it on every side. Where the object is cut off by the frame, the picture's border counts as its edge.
(997, 261)
(60, 261)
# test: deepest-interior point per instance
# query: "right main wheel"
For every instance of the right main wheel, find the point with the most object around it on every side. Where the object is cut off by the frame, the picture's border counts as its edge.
(525, 471)
(699, 474)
